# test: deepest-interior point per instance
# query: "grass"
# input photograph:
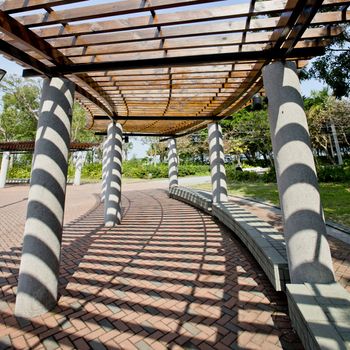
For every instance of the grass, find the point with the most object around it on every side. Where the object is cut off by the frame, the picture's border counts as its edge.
(335, 197)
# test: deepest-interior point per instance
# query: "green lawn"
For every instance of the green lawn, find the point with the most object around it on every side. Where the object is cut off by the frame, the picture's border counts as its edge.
(335, 197)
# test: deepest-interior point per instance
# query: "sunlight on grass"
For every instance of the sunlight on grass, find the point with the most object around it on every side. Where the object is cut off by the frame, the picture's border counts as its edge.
(335, 197)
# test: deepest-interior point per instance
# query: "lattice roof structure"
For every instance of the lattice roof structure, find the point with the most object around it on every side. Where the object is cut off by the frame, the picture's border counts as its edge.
(164, 67)
(28, 146)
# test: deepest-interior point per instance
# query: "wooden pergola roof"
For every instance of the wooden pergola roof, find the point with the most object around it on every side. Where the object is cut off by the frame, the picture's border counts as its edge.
(163, 66)
(28, 146)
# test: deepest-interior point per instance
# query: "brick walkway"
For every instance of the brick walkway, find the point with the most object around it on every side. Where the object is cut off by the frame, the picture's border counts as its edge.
(169, 277)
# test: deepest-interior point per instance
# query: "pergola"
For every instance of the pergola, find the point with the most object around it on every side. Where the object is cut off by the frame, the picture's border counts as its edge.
(164, 67)
(28, 146)
(167, 68)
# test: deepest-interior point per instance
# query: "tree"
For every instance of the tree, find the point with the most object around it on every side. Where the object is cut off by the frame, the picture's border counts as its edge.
(333, 68)
(127, 147)
(194, 147)
(156, 148)
(248, 132)
(21, 102)
(322, 110)
(79, 133)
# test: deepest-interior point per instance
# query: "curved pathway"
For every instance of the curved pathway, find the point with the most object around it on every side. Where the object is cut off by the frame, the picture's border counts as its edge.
(169, 277)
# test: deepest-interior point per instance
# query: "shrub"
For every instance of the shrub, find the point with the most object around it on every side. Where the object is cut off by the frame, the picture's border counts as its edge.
(92, 171)
(19, 172)
(141, 170)
(234, 175)
(269, 176)
(333, 173)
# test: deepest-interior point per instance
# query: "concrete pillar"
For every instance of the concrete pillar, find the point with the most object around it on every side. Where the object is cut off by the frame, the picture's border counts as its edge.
(78, 167)
(4, 167)
(173, 164)
(217, 163)
(304, 228)
(38, 274)
(336, 144)
(113, 194)
(104, 168)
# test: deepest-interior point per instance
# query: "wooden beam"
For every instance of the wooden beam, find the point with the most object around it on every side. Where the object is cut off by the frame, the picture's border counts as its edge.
(25, 59)
(183, 61)
(174, 18)
(137, 134)
(104, 10)
(13, 6)
(278, 37)
(161, 118)
(169, 19)
(16, 30)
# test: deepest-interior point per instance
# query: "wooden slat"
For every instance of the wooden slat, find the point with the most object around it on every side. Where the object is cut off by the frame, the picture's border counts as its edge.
(181, 17)
(15, 30)
(104, 10)
(216, 42)
(167, 33)
(187, 31)
(13, 6)
(189, 59)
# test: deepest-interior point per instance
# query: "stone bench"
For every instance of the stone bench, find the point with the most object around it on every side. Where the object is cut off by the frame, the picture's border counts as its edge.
(191, 197)
(265, 243)
(320, 314)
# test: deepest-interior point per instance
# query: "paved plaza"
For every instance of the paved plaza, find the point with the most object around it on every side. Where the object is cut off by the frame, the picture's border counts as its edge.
(169, 277)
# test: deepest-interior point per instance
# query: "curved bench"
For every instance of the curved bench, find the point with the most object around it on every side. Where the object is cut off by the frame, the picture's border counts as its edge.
(320, 314)
(191, 197)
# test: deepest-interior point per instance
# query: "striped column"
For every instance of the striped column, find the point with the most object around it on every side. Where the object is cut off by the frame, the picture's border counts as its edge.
(4, 167)
(113, 192)
(304, 228)
(104, 168)
(217, 164)
(38, 274)
(173, 163)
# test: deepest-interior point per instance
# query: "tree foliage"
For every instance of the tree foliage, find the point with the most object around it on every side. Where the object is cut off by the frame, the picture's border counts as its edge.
(155, 147)
(321, 110)
(333, 68)
(194, 147)
(21, 101)
(79, 133)
(248, 133)
(20, 112)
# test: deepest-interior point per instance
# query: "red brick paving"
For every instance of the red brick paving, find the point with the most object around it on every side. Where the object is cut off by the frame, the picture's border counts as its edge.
(13, 207)
(169, 277)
